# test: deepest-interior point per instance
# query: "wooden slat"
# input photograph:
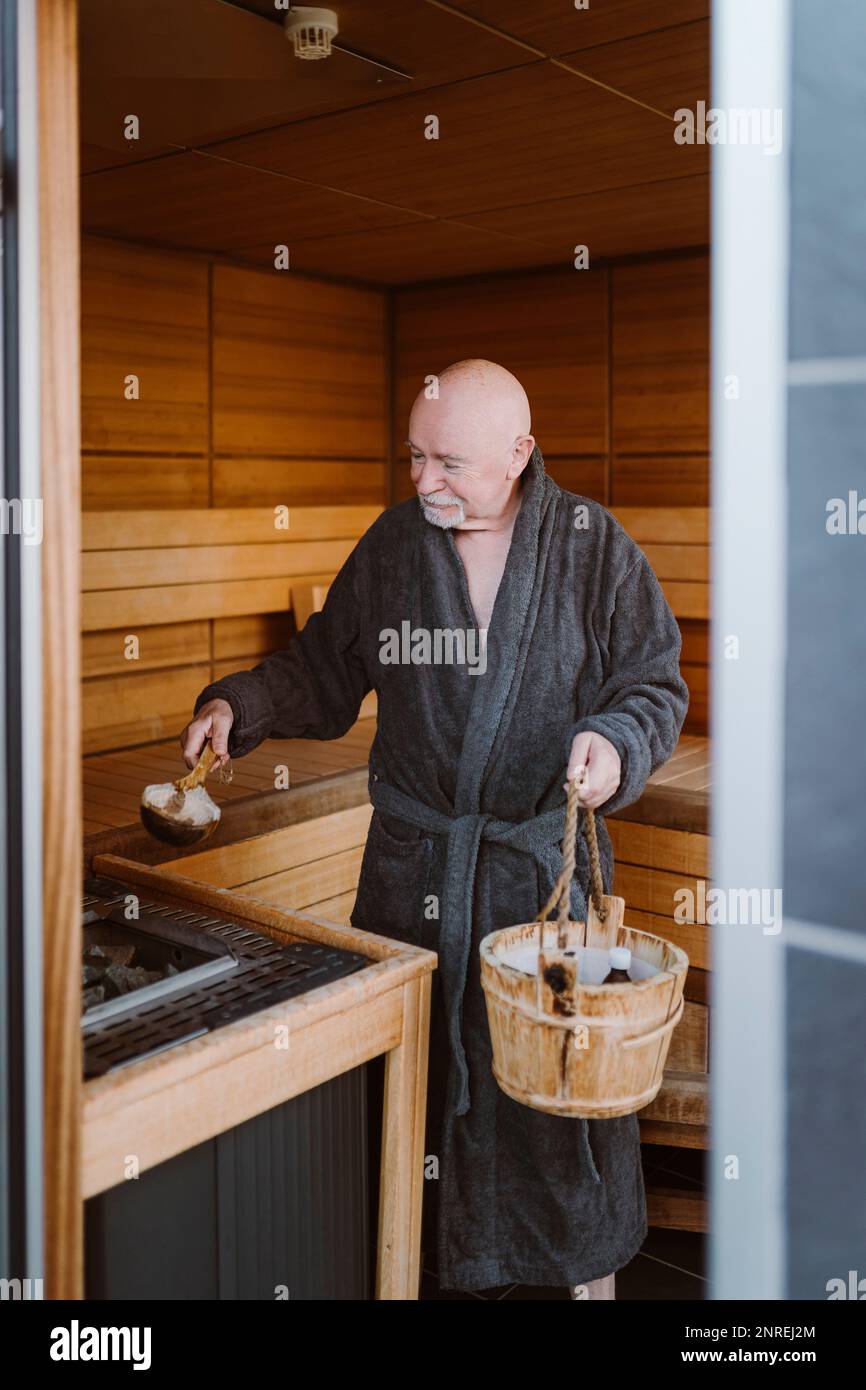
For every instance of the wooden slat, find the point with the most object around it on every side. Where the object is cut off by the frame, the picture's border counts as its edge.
(683, 1099)
(312, 366)
(337, 909)
(56, 44)
(665, 525)
(667, 69)
(693, 937)
(241, 480)
(308, 599)
(241, 819)
(144, 313)
(307, 884)
(697, 678)
(674, 850)
(584, 475)
(517, 321)
(651, 480)
(202, 564)
(164, 644)
(678, 1136)
(137, 706)
(659, 356)
(224, 526)
(534, 111)
(696, 642)
(675, 1210)
(136, 608)
(690, 771)
(682, 562)
(552, 27)
(675, 808)
(652, 890)
(689, 1049)
(253, 634)
(661, 216)
(296, 844)
(697, 986)
(687, 600)
(133, 480)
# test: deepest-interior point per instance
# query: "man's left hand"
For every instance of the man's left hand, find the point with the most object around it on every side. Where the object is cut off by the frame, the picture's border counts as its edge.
(602, 765)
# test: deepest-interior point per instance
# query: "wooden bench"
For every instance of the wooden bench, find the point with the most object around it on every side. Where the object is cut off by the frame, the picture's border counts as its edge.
(301, 850)
(661, 844)
(172, 600)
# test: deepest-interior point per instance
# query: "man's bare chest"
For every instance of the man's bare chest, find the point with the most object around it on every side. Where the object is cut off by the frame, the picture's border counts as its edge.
(484, 564)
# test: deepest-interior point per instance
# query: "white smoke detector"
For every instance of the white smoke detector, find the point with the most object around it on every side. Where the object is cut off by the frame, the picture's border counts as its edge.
(311, 30)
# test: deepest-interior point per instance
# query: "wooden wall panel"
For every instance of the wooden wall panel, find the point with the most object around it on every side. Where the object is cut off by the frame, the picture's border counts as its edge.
(697, 678)
(298, 367)
(621, 417)
(202, 591)
(137, 707)
(197, 526)
(251, 636)
(269, 482)
(201, 564)
(288, 379)
(164, 644)
(696, 643)
(143, 313)
(584, 475)
(131, 481)
(254, 390)
(660, 356)
(658, 480)
(695, 669)
(550, 329)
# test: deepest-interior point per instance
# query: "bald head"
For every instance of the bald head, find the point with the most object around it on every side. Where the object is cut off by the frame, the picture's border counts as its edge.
(487, 395)
(469, 441)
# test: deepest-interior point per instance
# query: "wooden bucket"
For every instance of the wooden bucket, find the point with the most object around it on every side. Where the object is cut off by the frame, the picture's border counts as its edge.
(591, 1051)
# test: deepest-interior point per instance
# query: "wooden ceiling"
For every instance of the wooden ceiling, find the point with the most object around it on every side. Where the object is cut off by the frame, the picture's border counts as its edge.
(556, 128)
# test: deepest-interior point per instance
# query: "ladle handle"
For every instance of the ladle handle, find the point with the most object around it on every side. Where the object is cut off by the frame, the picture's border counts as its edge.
(199, 772)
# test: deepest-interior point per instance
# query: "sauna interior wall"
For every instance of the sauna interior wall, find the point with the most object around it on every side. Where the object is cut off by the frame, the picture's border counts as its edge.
(616, 363)
(256, 389)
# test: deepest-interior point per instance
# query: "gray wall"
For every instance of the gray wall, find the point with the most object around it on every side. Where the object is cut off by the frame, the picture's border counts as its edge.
(788, 1103)
(824, 817)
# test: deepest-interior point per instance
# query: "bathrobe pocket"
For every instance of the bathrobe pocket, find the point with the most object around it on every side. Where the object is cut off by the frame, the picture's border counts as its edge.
(392, 885)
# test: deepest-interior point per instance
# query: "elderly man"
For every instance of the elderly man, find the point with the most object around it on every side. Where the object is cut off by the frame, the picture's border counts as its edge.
(579, 669)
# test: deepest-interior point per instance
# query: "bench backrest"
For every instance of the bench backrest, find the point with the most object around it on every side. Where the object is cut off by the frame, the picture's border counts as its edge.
(675, 540)
(174, 599)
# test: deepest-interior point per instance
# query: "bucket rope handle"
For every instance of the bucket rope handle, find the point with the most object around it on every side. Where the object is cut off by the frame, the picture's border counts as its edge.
(562, 888)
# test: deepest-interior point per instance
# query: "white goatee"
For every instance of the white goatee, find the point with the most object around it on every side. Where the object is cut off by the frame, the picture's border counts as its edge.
(441, 510)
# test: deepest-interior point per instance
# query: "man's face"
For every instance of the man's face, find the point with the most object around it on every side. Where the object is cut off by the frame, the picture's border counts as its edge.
(459, 463)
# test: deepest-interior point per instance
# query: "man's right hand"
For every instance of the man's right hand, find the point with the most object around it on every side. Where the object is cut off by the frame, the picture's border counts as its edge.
(213, 722)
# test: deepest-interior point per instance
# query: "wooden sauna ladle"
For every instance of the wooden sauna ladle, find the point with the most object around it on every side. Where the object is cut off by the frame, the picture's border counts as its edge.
(172, 816)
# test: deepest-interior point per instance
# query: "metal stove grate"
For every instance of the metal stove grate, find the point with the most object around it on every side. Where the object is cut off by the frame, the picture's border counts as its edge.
(266, 973)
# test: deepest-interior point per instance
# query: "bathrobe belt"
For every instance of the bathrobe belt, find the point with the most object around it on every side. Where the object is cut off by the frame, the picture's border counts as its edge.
(540, 838)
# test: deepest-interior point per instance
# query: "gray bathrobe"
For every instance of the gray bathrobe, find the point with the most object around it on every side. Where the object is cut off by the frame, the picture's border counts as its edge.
(466, 778)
